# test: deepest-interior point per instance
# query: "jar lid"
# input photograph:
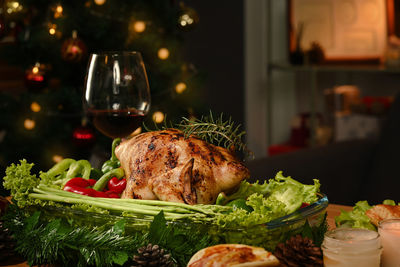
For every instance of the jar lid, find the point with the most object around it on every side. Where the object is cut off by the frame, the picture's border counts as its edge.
(390, 224)
(352, 240)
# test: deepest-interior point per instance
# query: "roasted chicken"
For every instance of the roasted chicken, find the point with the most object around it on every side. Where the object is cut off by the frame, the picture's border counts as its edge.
(167, 166)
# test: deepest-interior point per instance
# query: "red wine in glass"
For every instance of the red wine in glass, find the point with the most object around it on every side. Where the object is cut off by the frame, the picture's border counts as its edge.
(117, 92)
(115, 123)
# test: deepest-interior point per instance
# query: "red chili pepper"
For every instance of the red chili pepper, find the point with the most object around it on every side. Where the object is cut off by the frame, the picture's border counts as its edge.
(112, 194)
(81, 186)
(114, 184)
(79, 190)
(92, 181)
(78, 181)
(99, 194)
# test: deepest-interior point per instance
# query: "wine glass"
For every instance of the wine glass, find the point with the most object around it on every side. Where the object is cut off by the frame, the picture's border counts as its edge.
(117, 93)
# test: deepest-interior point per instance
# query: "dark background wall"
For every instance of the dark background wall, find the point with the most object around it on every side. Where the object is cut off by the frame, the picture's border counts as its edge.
(215, 47)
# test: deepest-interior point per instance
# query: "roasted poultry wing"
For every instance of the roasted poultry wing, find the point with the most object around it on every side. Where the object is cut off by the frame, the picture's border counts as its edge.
(167, 166)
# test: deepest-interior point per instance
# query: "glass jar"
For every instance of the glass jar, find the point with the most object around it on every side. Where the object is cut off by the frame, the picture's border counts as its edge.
(351, 247)
(389, 231)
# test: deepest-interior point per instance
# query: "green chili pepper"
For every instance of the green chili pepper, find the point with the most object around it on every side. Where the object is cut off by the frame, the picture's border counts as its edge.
(222, 199)
(113, 162)
(85, 165)
(60, 167)
(240, 204)
(102, 182)
(74, 170)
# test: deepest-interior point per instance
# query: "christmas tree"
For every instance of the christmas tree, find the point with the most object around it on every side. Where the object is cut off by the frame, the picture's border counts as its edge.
(51, 41)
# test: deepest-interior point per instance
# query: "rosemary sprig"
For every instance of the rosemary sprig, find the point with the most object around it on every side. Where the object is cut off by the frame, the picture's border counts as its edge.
(217, 131)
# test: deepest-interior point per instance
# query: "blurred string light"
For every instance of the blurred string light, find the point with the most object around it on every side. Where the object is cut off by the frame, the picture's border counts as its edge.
(158, 117)
(13, 6)
(35, 74)
(139, 26)
(35, 107)
(99, 2)
(57, 158)
(35, 69)
(188, 18)
(163, 53)
(52, 29)
(180, 87)
(29, 124)
(58, 11)
(185, 20)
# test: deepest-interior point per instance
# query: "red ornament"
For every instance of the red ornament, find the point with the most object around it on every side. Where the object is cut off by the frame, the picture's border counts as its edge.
(73, 49)
(83, 136)
(36, 78)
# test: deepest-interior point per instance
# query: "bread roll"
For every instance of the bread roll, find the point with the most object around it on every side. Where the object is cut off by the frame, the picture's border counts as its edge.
(233, 255)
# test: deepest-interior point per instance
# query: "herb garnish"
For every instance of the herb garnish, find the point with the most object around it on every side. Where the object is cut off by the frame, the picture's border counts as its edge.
(217, 131)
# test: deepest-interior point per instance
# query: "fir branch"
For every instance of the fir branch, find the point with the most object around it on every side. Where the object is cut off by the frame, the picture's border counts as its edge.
(57, 242)
(63, 243)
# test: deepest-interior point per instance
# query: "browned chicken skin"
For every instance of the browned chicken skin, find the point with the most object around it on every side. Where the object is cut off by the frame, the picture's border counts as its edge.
(166, 166)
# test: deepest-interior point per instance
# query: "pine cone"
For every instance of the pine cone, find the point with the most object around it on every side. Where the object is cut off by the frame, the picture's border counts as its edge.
(152, 255)
(299, 251)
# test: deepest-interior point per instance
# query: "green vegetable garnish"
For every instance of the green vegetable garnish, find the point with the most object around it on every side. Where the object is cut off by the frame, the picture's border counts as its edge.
(270, 200)
(356, 218)
(103, 180)
(389, 202)
(113, 162)
(240, 204)
(20, 182)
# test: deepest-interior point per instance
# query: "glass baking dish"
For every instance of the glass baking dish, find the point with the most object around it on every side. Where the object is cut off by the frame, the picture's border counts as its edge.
(266, 235)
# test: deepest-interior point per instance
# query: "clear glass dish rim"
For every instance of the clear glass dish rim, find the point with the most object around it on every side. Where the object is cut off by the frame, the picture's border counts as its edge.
(301, 214)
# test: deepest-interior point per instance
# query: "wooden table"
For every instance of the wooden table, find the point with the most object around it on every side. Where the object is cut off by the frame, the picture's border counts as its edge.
(333, 211)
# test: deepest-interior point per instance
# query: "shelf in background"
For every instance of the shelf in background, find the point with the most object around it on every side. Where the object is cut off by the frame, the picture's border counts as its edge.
(334, 68)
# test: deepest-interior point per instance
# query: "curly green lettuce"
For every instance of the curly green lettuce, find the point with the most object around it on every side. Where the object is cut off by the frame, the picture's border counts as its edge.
(356, 218)
(20, 182)
(273, 199)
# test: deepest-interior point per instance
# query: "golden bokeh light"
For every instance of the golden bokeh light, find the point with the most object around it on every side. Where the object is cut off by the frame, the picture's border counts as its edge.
(99, 2)
(29, 124)
(158, 117)
(163, 53)
(13, 6)
(57, 158)
(139, 26)
(180, 87)
(35, 70)
(59, 9)
(52, 29)
(35, 107)
(185, 20)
